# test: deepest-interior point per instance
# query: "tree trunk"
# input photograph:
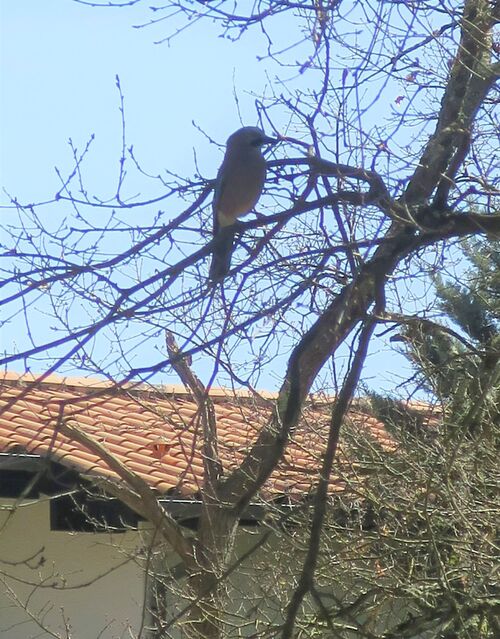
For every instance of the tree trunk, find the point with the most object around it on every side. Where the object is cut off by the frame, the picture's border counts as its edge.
(206, 586)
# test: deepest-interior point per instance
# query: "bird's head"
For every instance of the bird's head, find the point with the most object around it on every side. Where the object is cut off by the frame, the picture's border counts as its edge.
(249, 136)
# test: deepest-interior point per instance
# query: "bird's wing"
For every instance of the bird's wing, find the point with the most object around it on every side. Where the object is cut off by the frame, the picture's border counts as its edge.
(220, 183)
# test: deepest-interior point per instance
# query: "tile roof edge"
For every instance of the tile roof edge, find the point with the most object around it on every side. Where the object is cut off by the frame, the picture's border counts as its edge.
(11, 378)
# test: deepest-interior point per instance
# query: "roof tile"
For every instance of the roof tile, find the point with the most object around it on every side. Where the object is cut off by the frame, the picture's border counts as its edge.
(157, 431)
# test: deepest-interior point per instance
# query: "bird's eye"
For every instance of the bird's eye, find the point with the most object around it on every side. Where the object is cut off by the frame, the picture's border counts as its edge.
(256, 142)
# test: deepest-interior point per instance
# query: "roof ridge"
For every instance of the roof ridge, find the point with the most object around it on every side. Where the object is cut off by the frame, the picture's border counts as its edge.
(13, 378)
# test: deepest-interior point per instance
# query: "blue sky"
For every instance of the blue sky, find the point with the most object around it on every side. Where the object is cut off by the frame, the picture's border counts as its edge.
(59, 60)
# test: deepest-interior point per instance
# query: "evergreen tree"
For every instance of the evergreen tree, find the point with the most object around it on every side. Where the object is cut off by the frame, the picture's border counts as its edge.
(440, 534)
(461, 368)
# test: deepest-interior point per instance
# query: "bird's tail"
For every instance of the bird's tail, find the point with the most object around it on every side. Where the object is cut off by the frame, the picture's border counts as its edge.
(221, 256)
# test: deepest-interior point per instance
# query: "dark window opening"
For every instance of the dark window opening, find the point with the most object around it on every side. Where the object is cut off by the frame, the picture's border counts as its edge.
(18, 483)
(85, 512)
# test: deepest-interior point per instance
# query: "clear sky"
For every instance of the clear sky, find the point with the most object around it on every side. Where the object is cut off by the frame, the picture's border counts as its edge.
(59, 60)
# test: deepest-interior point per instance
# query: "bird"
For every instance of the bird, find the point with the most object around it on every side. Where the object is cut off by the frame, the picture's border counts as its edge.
(238, 186)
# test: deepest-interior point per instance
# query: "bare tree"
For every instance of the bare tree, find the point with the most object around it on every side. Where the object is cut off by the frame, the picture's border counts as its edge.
(394, 106)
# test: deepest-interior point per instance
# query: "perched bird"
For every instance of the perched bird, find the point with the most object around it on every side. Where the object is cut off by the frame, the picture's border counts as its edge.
(239, 184)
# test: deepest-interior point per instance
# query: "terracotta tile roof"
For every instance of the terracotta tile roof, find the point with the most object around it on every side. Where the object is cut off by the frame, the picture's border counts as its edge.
(157, 432)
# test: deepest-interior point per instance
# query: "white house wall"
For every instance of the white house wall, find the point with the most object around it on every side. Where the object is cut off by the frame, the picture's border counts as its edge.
(93, 586)
(60, 584)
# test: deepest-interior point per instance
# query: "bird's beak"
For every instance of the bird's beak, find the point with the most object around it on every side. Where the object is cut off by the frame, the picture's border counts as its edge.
(268, 140)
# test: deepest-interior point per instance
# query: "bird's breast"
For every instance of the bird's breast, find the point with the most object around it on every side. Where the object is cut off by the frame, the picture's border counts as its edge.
(243, 181)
